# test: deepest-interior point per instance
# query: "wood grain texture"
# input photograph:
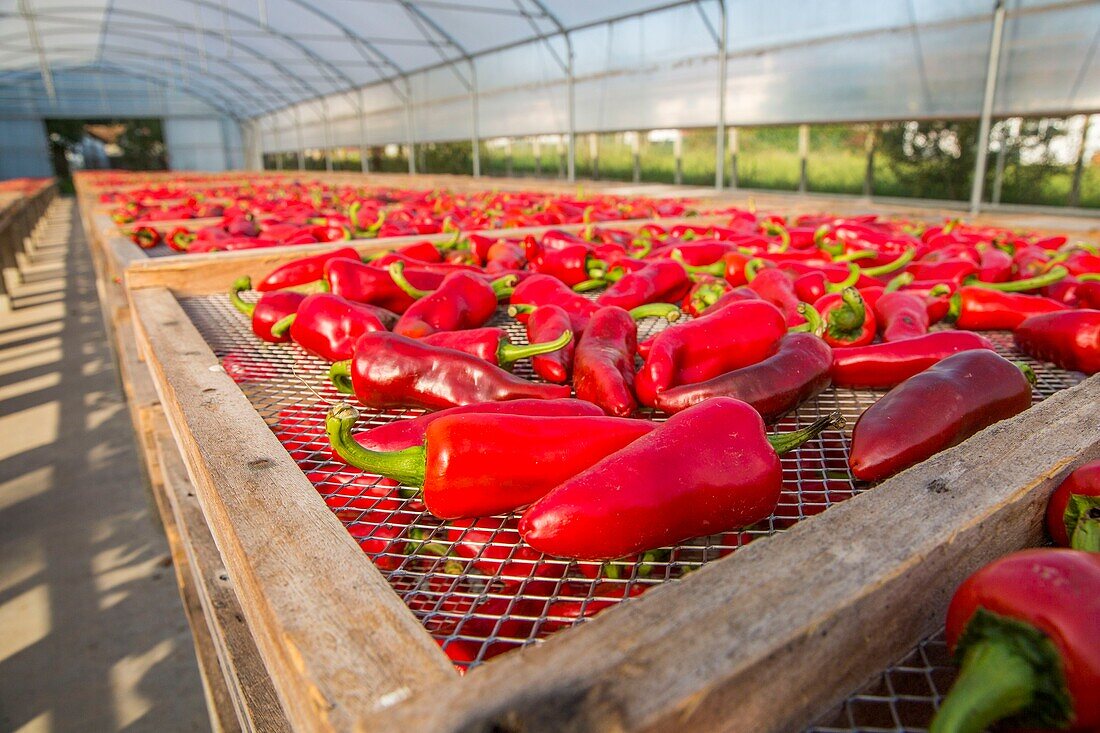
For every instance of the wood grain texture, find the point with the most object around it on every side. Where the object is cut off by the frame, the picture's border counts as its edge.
(769, 637)
(337, 641)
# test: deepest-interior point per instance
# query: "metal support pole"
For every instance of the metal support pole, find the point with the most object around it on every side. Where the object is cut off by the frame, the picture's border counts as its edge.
(572, 163)
(987, 106)
(1079, 166)
(720, 134)
(678, 158)
(735, 148)
(364, 149)
(803, 155)
(475, 139)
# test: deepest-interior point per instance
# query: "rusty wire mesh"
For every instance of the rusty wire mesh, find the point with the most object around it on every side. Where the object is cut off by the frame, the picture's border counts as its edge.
(479, 590)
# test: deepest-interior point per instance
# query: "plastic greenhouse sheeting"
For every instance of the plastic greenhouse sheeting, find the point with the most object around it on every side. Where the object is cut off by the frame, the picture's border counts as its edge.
(326, 73)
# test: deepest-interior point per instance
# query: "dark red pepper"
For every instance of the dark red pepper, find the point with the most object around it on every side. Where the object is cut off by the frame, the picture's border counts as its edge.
(603, 366)
(572, 265)
(1024, 630)
(1070, 339)
(492, 344)
(480, 464)
(708, 469)
(353, 280)
(901, 315)
(302, 271)
(936, 409)
(329, 326)
(981, 309)
(547, 324)
(658, 281)
(1073, 512)
(540, 290)
(776, 287)
(390, 370)
(463, 300)
(797, 371)
(270, 309)
(884, 365)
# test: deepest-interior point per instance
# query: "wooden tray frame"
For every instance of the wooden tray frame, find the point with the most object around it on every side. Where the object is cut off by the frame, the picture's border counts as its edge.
(730, 647)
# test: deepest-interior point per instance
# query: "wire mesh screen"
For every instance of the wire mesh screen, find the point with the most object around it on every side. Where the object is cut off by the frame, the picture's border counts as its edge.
(475, 586)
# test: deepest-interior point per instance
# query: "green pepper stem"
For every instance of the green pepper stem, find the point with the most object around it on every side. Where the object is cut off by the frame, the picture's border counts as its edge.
(1089, 277)
(717, 269)
(1028, 372)
(849, 317)
(752, 267)
(586, 286)
(240, 284)
(283, 325)
(847, 282)
(898, 282)
(996, 681)
(892, 266)
(858, 254)
(954, 307)
(516, 308)
(397, 273)
(1082, 520)
(775, 228)
(340, 376)
(938, 290)
(813, 323)
(504, 286)
(785, 442)
(643, 249)
(508, 352)
(1050, 277)
(668, 311)
(406, 466)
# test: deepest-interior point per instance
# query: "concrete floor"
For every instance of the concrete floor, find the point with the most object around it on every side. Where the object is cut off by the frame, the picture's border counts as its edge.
(92, 634)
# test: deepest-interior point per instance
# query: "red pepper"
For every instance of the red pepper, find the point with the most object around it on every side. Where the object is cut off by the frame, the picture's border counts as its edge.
(658, 281)
(1073, 512)
(981, 309)
(996, 266)
(180, 239)
(572, 265)
(1024, 630)
(814, 285)
(774, 286)
(797, 371)
(504, 256)
(848, 322)
(1070, 339)
(407, 433)
(463, 300)
(329, 326)
(480, 464)
(390, 370)
(547, 324)
(269, 310)
(145, 237)
(699, 253)
(305, 270)
(709, 469)
(541, 290)
(436, 268)
(603, 366)
(885, 365)
(953, 271)
(902, 316)
(733, 337)
(936, 409)
(492, 344)
(353, 280)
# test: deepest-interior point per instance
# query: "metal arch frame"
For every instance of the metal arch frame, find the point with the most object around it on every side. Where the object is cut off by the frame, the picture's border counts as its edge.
(36, 44)
(259, 82)
(987, 106)
(280, 68)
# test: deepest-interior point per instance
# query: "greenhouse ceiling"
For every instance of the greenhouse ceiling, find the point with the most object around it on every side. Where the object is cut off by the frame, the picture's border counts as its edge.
(635, 64)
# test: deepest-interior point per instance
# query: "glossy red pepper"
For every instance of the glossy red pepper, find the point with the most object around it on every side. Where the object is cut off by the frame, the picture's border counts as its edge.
(1070, 339)
(572, 265)
(390, 370)
(603, 365)
(936, 409)
(304, 270)
(1024, 630)
(328, 326)
(797, 371)
(353, 280)
(492, 344)
(981, 309)
(995, 266)
(402, 434)
(1073, 512)
(658, 281)
(901, 316)
(884, 365)
(145, 237)
(953, 271)
(463, 300)
(848, 321)
(504, 256)
(269, 310)
(547, 324)
(732, 337)
(774, 286)
(180, 239)
(708, 469)
(814, 285)
(540, 290)
(480, 464)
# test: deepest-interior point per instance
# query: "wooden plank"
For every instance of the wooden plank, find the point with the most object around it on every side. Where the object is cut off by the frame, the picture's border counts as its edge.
(767, 638)
(257, 705)
(337, 641)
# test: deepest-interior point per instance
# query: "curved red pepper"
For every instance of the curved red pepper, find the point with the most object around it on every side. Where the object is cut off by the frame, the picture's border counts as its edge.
(547, 324)
(390, 370)
(732, 337)
(603, 365)
(774, 286)
(996, 266)
(708, 469)
(657, 281)
(492, 344)
(982, 309)
(572, 265)
(902, 316)
(353, 280)
(1070, 339)
(797, 371)
(952, 271)
(463, 300)
(1073, 512)
(814, 285)
(1024, 630)
(848, 321)
(270, 309)
(480, 464)
(328, 326)
(403, 434)
(885, 365)
(302, 271)
(541, 290)
(934, 410)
